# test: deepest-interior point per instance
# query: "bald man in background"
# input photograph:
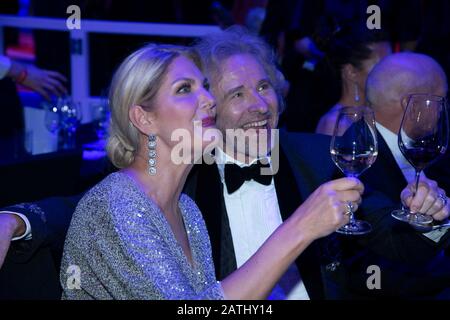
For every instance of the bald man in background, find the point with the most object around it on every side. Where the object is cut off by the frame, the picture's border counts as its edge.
(388, 86)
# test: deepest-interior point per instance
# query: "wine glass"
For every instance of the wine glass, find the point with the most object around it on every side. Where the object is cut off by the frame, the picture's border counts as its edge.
(53, 121)
(422, 138)
(354, 149)
(71, 118)
(101, 114)
(52, 116)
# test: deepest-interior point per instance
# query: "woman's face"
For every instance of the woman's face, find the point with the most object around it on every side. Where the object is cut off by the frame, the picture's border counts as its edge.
(183, 102)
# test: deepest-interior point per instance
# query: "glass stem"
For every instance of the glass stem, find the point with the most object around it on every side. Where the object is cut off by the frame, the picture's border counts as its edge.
(351, 214)
(350, 205)
(417, 185)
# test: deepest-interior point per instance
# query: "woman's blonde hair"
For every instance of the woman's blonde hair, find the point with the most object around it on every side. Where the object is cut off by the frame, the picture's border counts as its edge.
(136, 82)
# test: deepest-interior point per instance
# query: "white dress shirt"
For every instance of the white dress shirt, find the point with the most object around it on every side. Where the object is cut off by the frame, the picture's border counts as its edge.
(254, 214)
(27, 234)
(392, 142)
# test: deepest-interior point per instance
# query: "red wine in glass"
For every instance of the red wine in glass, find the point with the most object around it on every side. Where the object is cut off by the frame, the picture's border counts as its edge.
(422, 139)
(421, 157)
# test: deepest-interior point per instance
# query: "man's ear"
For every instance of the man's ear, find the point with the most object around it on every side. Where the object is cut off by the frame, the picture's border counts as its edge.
(404, 102)
(142, 120)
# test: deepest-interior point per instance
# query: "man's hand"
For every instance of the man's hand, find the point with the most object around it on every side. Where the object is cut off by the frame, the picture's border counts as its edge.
(11, 226)
(45, 82)
(429, 199)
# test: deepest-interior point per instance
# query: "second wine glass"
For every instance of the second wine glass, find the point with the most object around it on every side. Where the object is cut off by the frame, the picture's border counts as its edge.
(354, 149)
(422, 138)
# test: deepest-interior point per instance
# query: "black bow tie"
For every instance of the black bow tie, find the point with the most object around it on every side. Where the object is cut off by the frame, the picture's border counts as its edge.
(235, 176)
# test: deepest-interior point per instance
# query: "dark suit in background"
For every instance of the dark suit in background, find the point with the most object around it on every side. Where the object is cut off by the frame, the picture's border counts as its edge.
(385, 174)
(414, 256)
(31, 268)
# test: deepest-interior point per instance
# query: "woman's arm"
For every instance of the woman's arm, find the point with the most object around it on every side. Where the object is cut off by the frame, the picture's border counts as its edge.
(321, 214)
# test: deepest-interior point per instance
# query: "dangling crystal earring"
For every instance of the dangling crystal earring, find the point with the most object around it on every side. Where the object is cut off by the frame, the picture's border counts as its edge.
(356, 93)
(152, 154)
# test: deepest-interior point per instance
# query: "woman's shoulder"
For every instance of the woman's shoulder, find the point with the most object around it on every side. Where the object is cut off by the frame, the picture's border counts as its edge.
(114, 204)
(117, 182)
(111, 192)
(113, 182)
(328, 120)
(332, 113)
(91, 216)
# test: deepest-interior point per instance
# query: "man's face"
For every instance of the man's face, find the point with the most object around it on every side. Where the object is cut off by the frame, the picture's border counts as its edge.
(246, 100)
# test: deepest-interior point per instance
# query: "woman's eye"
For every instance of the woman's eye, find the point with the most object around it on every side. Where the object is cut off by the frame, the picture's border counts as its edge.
(185, 88)
(206, 86)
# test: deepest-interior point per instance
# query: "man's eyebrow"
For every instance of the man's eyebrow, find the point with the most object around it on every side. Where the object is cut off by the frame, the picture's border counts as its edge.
(183, 79)
(264, 80)
(233, 91)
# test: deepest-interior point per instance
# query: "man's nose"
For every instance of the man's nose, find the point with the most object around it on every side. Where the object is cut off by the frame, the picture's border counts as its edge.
(258, 103)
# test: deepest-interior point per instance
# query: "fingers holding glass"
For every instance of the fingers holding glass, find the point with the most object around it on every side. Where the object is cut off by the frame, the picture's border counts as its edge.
(422, 138)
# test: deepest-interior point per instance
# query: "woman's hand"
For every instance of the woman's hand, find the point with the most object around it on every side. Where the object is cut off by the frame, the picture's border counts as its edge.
(326, 208)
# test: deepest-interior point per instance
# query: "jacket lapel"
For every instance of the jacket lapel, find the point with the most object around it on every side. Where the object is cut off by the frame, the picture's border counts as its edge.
(309, 159)
(294, 186)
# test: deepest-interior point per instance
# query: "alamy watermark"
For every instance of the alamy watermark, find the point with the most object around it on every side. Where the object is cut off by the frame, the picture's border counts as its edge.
(374, 280)
(374, 20)
(74, 20)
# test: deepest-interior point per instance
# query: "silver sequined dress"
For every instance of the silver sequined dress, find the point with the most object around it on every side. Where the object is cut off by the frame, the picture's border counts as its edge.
(120, 246)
